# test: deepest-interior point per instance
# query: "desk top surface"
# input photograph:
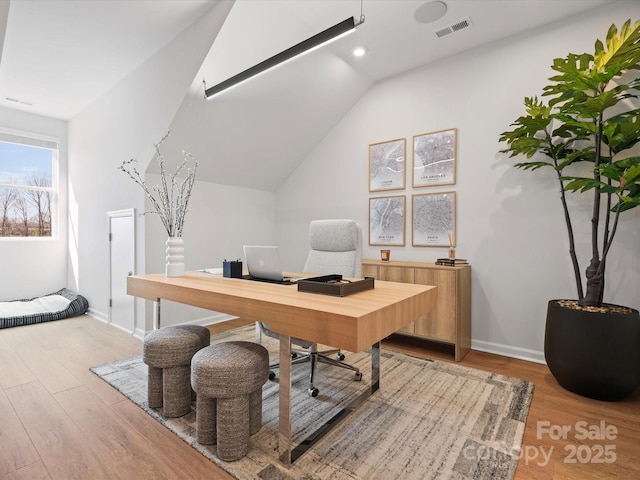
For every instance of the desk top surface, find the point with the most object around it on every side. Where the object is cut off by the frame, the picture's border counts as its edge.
(353, 322)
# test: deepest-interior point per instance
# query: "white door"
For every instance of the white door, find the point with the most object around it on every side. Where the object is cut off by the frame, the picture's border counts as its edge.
(122, 264)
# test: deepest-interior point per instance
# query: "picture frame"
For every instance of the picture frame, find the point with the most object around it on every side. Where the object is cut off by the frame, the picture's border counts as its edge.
(387, 165)
(387, 220)
(434, 158)
(434, 219)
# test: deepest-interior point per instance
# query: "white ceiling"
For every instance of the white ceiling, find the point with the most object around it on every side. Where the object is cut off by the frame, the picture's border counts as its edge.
(60, 55)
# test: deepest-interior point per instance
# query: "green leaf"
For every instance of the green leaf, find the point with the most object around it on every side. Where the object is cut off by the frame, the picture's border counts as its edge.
(623, 131)
(624, 205)
(533, 165)
(579, 183)
(622, 49)
(632, 175)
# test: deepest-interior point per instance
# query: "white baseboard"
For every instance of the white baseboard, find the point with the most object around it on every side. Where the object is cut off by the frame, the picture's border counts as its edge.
(139, 333)
(105, 319)
(122, 328)
(205, 321)
(99, 315)
(211, 320)
(509, 351)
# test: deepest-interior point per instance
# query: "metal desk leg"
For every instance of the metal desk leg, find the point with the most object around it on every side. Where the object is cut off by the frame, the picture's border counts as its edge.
(375, 367)
(290, 454)
(156, 314)
(284, 425)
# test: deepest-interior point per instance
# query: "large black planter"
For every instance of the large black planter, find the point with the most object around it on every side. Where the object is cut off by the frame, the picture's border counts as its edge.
(593, 354)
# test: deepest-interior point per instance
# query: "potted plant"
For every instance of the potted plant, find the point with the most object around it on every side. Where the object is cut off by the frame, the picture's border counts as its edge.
(588, 125)
(170, 201)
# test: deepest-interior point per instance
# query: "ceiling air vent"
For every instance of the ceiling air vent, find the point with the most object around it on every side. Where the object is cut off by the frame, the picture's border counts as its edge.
(17, 100)
(454, 27)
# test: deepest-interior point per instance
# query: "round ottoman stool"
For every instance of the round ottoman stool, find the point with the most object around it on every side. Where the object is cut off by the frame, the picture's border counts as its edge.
(203, 333)
(168, 353)
(205, 341)
(255, 398)
(227, 378)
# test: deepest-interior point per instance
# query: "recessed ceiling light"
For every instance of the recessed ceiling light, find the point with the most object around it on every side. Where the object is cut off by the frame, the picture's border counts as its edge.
(430, 12)
(359, 51)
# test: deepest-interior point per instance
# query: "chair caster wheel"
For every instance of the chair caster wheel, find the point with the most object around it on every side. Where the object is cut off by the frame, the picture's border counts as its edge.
(314, 392)
(340, 356)
(272, 375)
(358, 376)
(294, 355)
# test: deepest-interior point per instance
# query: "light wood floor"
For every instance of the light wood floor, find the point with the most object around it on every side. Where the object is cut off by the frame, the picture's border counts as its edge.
(60, 421)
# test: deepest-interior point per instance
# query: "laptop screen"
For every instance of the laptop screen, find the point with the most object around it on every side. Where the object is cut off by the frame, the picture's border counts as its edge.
(263, 262)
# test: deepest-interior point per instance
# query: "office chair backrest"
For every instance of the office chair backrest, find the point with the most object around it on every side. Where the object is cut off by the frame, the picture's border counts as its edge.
(336, 247)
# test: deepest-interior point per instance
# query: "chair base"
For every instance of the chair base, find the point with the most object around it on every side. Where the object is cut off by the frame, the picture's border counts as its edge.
(303, 356)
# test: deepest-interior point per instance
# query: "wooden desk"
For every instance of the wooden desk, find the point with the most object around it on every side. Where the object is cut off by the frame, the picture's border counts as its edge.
(353, 323)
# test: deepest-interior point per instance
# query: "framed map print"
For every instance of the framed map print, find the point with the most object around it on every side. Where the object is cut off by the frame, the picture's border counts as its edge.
(387, 165)
(386, 220)
(434, 158)
(434, 219)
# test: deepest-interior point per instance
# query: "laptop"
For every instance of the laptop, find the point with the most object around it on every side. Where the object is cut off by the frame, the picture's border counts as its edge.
(263, 264)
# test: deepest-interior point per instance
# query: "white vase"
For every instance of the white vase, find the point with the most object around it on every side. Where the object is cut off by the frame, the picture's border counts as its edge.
(175, 257)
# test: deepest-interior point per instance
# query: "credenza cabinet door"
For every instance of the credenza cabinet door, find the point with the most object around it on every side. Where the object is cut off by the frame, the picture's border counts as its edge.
(450, 322)
(391, 274)
(370, 271)
(401, 275)
(440, 324)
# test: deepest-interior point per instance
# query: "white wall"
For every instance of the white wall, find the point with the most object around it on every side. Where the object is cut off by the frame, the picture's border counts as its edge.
(33, 267)
(123, 124)
(509, 222)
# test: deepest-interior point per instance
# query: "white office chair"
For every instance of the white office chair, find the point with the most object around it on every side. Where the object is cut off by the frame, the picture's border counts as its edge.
(336, 248)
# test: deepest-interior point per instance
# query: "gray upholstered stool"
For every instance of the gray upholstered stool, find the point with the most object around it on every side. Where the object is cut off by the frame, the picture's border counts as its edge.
(168, 353)
(255, 397)
(203, 333)
(228, 379)
(205, 341)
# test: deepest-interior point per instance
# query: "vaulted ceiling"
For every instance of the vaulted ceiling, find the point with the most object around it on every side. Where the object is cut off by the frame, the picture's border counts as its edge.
(58, 56)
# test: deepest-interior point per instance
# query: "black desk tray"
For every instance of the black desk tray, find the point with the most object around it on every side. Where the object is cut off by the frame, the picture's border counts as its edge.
(330, 285)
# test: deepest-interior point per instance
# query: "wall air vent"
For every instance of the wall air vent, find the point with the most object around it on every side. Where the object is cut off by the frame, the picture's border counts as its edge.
(454, 27)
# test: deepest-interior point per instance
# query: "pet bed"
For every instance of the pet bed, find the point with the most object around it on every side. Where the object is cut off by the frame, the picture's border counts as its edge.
(55, 306)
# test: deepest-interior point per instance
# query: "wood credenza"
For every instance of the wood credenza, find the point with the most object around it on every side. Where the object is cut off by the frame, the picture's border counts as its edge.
(450, 322)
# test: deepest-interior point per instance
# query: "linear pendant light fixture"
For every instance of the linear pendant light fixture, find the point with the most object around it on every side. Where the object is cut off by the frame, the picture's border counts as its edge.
(329, 35)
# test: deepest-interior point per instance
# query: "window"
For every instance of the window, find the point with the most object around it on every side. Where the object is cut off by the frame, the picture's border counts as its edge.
(28, 185)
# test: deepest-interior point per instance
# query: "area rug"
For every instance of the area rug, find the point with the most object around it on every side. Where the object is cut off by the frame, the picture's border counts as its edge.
(429, 420)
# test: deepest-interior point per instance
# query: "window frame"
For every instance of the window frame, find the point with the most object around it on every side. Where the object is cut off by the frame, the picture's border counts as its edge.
(39, 141)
